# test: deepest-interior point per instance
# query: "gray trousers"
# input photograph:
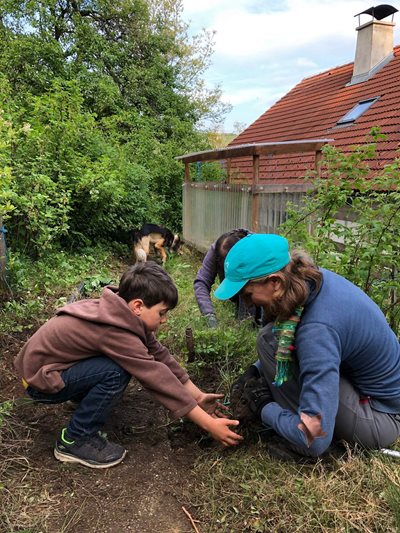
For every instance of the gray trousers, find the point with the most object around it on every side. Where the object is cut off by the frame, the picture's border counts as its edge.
(356, 422)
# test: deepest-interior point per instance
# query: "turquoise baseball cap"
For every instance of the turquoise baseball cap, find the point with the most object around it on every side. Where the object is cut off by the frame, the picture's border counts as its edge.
(254, 256)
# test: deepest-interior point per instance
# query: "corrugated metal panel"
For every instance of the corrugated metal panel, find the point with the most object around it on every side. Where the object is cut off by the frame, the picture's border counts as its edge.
(272, 209)
(212, 209)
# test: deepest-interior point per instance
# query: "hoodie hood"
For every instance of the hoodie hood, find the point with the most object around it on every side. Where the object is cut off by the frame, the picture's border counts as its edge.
(108, 310)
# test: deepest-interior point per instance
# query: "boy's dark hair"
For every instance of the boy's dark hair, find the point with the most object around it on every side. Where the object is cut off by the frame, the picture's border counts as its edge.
(222, 246)
(149, 282)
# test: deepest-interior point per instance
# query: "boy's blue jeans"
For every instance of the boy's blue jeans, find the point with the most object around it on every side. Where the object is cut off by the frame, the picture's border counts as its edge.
(97, 384)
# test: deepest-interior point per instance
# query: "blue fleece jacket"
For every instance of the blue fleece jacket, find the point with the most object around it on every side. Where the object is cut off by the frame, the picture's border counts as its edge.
(342, 331)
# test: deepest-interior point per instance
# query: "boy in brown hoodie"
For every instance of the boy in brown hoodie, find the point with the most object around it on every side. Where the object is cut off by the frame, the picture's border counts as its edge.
(89, 351)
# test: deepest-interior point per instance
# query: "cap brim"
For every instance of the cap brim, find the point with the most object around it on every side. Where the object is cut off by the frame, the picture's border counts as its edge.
(228, 288)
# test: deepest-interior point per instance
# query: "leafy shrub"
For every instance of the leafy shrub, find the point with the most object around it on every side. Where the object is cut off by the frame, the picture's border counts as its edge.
(365, 248)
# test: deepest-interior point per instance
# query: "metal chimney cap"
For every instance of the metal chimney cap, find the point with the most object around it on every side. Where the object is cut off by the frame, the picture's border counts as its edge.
(379, 12)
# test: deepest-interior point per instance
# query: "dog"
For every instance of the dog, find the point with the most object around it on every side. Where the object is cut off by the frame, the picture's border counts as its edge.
(161, 238)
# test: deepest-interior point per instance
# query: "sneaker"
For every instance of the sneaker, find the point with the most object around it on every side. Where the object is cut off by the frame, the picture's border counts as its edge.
(95, 451)
(256, 394)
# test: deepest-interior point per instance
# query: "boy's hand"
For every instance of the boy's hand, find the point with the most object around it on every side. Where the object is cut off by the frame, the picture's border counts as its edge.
(220, 431)
(210, 404)
(218, 428)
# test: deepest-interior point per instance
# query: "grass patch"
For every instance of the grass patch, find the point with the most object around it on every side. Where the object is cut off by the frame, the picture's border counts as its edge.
(244, 490)
(40, 287)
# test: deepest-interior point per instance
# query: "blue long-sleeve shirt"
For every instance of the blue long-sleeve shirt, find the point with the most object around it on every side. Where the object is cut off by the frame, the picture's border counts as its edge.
(342, 331)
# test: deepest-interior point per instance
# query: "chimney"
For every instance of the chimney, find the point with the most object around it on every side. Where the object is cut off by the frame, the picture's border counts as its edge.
(374, 43)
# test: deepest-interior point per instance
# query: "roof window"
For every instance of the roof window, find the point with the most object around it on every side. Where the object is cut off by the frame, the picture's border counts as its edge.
(357, 111)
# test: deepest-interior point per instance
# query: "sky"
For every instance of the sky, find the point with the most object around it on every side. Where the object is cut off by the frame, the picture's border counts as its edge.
(264, 48)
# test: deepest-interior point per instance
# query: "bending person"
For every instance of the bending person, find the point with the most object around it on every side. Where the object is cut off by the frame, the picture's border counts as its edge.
(213, 267)
(330, 363)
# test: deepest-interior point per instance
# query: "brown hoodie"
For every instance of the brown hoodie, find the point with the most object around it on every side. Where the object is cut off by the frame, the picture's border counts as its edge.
(103, 326)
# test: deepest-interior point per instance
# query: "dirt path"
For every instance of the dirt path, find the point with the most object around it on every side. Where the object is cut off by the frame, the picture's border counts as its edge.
(144, 494)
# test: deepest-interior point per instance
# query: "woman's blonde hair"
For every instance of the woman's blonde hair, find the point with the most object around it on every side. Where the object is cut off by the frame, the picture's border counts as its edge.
(294, 280)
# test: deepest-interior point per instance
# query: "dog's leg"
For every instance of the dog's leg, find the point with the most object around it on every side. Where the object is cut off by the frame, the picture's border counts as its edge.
(140, 254)
(142, 249)
(159, 245)
(145, 242)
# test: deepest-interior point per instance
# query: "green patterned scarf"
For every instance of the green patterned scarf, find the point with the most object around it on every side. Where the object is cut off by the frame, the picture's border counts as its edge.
(285, 331)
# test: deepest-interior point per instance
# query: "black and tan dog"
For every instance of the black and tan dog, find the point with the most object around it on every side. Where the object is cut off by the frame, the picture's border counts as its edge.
(161, 238)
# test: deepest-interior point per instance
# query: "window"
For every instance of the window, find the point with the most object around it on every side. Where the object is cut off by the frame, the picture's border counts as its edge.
(357, 111)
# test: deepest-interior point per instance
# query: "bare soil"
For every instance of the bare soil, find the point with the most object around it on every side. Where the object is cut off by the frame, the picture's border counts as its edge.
(144, 494)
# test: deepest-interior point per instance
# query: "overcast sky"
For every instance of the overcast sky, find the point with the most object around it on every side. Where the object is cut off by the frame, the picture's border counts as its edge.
(264, 48)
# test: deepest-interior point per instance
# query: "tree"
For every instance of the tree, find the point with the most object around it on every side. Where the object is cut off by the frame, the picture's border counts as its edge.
(111, 91)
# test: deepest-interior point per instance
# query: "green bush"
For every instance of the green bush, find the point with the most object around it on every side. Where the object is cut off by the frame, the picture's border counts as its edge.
(366, 248)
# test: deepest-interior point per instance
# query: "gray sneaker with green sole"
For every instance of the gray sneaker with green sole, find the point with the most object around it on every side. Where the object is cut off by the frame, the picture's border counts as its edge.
(95, 451)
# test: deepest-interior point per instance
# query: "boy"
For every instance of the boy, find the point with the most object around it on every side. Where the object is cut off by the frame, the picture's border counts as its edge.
(89, 351)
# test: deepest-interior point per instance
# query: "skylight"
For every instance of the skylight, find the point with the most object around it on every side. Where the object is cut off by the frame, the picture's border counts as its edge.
(357, 111)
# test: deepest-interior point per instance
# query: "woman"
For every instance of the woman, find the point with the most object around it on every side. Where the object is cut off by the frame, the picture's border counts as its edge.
(213, 266)
(330, 362)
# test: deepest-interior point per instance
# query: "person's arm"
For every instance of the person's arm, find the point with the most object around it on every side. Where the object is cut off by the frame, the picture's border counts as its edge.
(311, 428)
(164, 381)
(204, 281)
(208, 401)
(162, 354)
(218, 428)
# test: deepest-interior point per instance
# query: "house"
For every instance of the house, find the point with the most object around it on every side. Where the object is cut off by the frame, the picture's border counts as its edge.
(265, 164)
(342, 104)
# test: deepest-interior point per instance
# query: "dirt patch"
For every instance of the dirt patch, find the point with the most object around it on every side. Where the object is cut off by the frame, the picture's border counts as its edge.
(143, 494)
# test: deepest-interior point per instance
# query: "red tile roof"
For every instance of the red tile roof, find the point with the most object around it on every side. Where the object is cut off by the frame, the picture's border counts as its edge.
(312, 109)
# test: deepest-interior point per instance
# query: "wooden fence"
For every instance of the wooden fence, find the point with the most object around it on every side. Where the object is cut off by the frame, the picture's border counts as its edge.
(210, 209)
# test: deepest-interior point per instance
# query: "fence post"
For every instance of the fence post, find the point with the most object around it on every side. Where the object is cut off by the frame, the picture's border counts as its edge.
(255, 222)
(318, 159)
(228, 170)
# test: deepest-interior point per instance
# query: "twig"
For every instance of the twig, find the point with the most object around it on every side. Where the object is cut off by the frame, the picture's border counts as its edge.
(191, 519)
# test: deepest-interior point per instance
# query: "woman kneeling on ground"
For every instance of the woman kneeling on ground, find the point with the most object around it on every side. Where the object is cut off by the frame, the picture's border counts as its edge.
(329, 364)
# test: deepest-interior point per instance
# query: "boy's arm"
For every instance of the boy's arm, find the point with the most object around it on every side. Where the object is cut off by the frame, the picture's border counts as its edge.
(206, 400)
(217, 427)
(162, 354)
